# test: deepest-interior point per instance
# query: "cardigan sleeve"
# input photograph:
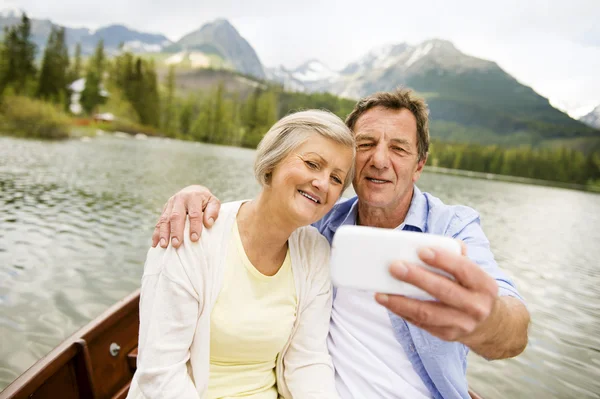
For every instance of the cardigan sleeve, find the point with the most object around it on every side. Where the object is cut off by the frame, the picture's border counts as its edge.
(169, 311)
(308, 370)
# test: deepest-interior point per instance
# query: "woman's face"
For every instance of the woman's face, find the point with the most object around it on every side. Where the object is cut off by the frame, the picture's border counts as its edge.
(309, 181)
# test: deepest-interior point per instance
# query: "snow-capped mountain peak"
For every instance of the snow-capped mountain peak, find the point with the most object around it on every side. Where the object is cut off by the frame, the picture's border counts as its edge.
(284, 76)
(419, 52)
(312, 71)
(379, 58)
(137, 46)
(593, 118)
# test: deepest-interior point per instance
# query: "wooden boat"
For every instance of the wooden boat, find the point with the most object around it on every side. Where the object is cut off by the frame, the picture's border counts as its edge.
(96, 362)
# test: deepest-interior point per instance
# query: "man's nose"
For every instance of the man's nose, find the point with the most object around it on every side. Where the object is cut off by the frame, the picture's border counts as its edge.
(381, 157)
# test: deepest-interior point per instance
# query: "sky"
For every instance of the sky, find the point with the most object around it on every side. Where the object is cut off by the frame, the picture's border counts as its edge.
(552, 46)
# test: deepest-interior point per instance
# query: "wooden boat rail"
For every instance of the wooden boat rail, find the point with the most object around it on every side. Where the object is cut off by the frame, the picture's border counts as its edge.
(96, 362)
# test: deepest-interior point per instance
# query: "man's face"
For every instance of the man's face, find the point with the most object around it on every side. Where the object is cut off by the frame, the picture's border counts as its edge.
(386, 157)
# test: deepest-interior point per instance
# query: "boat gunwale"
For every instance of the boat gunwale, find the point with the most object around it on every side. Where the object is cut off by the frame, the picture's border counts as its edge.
(36, 375)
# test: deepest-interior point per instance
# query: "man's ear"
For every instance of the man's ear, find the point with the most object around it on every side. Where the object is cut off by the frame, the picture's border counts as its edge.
(422, 163)
(419, 168)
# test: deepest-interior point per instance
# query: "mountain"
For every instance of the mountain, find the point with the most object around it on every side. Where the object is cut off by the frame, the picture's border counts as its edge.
(396, 64)
(285, 77)
(135, 41)
(470, 99)
(593, 118)
(314, 71)
(311, 75)
(220, 38)
(113, 35)
(215, 45)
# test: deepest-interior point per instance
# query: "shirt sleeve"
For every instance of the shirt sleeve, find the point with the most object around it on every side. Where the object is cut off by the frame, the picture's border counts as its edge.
(466, 226)
(169, 310)
(308, 369)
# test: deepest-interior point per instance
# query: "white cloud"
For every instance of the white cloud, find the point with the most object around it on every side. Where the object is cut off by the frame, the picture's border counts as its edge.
(551, 46)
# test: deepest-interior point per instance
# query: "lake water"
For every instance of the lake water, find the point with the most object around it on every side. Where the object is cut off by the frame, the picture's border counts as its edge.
(76, 219)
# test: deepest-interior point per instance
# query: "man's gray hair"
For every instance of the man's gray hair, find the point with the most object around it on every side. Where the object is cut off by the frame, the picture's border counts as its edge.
(401, 98)
(293, 130)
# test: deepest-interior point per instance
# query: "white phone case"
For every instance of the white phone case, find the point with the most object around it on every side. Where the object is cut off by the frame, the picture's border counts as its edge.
(361, 258)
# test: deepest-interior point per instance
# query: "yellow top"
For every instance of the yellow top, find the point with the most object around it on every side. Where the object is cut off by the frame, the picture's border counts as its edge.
(249, 326)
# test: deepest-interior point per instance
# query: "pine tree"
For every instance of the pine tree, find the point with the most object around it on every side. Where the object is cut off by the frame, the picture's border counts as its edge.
(150, 96)
(91, 96)
(75, 72)
(55, 65)
(168, 119)
(262, 112)
(18, 58)
(186, 115)
(98, 61)
(137, 80)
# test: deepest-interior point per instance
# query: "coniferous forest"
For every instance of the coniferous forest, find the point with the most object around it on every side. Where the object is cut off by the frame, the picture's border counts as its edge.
(35, 98)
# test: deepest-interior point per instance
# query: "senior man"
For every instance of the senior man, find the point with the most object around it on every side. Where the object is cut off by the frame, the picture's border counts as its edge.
(406, 348)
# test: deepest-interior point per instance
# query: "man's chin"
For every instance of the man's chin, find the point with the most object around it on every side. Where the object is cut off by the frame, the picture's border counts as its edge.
(375, 200)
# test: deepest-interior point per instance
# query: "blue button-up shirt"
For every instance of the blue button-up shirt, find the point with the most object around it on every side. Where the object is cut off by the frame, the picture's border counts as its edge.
(441, 365)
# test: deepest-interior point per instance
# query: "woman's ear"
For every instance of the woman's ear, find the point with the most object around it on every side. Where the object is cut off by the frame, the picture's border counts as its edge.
(268, 176)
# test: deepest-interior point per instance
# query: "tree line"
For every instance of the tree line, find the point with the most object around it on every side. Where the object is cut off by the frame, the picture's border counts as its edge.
(554, 164)
(127, 86)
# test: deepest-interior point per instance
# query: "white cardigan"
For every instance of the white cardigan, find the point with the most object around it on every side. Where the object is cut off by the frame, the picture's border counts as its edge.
(179, 289)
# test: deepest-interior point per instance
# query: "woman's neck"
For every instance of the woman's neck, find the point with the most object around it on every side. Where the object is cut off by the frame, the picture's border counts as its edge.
(264, 232)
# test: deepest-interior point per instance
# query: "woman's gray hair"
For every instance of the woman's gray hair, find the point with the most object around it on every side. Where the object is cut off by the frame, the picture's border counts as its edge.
(293, 130)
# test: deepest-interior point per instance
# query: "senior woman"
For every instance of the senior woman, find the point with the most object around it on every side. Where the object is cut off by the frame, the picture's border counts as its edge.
(245, 311)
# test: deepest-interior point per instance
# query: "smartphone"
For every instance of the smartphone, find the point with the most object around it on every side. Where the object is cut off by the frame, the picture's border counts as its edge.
(361, 258)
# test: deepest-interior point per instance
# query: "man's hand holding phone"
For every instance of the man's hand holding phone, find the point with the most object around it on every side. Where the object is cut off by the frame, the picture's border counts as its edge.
(463, 305)
(464, 295)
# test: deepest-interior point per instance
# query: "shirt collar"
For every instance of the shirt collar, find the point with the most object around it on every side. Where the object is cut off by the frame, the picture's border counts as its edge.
(417, 213)
(352, 215)
(416, 216)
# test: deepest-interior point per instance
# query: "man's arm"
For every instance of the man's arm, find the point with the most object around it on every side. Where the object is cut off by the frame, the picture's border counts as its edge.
(504, 333)
(195, 201)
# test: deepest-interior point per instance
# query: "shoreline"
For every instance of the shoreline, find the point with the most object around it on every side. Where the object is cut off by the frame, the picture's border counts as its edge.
(510, 179)
(86, 133)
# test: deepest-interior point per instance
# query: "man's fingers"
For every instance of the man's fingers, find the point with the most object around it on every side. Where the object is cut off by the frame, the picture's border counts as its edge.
(464, 270)
(177, 222)
(195, 213)
(211, 212)
(156, 232)
(430, 315)
(163, 225)
(463, 247)
(203, 208)
(446, 291)
(155, 235)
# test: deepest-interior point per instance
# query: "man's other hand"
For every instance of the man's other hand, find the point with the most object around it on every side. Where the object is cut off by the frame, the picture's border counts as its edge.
(195, 201)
